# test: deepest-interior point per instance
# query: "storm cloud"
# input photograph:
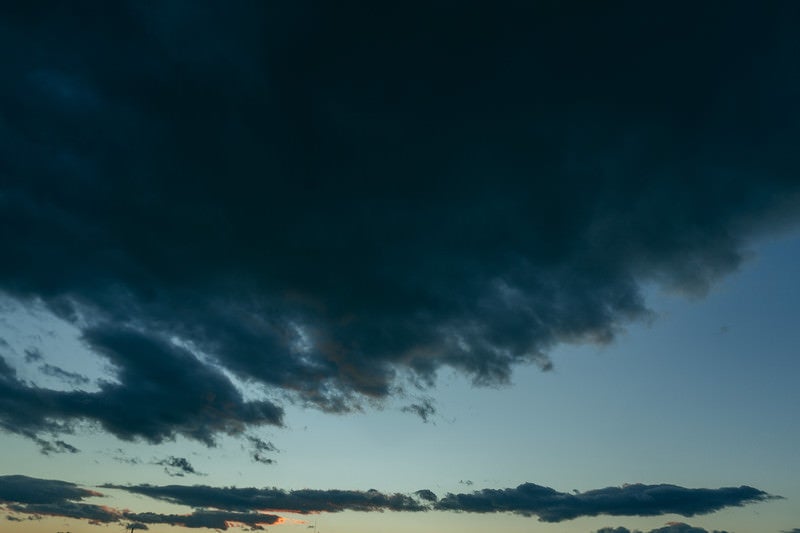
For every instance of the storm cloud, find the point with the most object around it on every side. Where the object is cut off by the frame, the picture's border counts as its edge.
(325, 201)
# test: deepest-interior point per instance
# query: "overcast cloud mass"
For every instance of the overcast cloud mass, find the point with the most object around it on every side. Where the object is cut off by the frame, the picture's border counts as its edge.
(327, 221)
(241, 206)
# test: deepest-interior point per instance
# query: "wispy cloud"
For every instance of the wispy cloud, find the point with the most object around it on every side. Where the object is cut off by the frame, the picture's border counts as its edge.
(177, 466)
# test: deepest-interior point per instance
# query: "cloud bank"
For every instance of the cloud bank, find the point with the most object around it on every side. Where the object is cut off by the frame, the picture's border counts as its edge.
(214, 507)
(672, 527)
(323, 201)
(527, 499)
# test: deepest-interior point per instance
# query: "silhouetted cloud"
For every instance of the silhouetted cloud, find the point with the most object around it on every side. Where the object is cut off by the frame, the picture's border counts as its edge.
(177, 466)
(214, 506)
(259, 448)
(550, 505)
(323, 216)
(424, 409)
(210, 519)
(427, 495)
(70, 378)
(87, 511)
(672, 527)
(33, 496)
(301, 501)
(47, 447)
(680, 527)
(164, 390)
(29, 490)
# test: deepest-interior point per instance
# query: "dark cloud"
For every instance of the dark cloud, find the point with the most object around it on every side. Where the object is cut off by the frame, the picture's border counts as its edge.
(680, 527)
(163, 390)
(323, 199)
(56, 446)
(13, 518)
(302, 501)
(424, 409)
(33, 355)
(210, 519)
(87, 511)
(259, 448)
(672, 527)
(71, 378)
(550, 505)
(527, 499)
(120, 456)
(216, 507)
(177, 466)
(27, 490)
(427, 495)
(33, 496)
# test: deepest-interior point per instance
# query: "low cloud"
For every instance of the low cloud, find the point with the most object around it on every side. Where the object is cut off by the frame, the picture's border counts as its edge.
(671, 527)
(550, 505)
(215, 507)
(303, 501)
(28, 490)
(97, 513)
(210, 519)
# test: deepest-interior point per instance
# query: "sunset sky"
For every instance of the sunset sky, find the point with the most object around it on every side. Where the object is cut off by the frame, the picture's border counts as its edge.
(359, 267)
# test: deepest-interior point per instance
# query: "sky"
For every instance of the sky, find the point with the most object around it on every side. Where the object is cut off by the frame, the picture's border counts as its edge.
(357, 267)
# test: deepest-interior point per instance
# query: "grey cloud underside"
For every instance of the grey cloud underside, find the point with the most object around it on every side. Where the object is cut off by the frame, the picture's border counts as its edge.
(322, 199)
(163, 391)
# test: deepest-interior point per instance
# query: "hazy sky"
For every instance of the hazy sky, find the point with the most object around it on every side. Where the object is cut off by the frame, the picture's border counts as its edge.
(439, 267)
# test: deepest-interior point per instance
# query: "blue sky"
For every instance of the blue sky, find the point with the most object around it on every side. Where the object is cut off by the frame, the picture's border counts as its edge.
(444, 267)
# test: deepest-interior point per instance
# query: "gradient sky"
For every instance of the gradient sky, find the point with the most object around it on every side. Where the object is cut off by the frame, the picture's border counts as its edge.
(438, 266)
